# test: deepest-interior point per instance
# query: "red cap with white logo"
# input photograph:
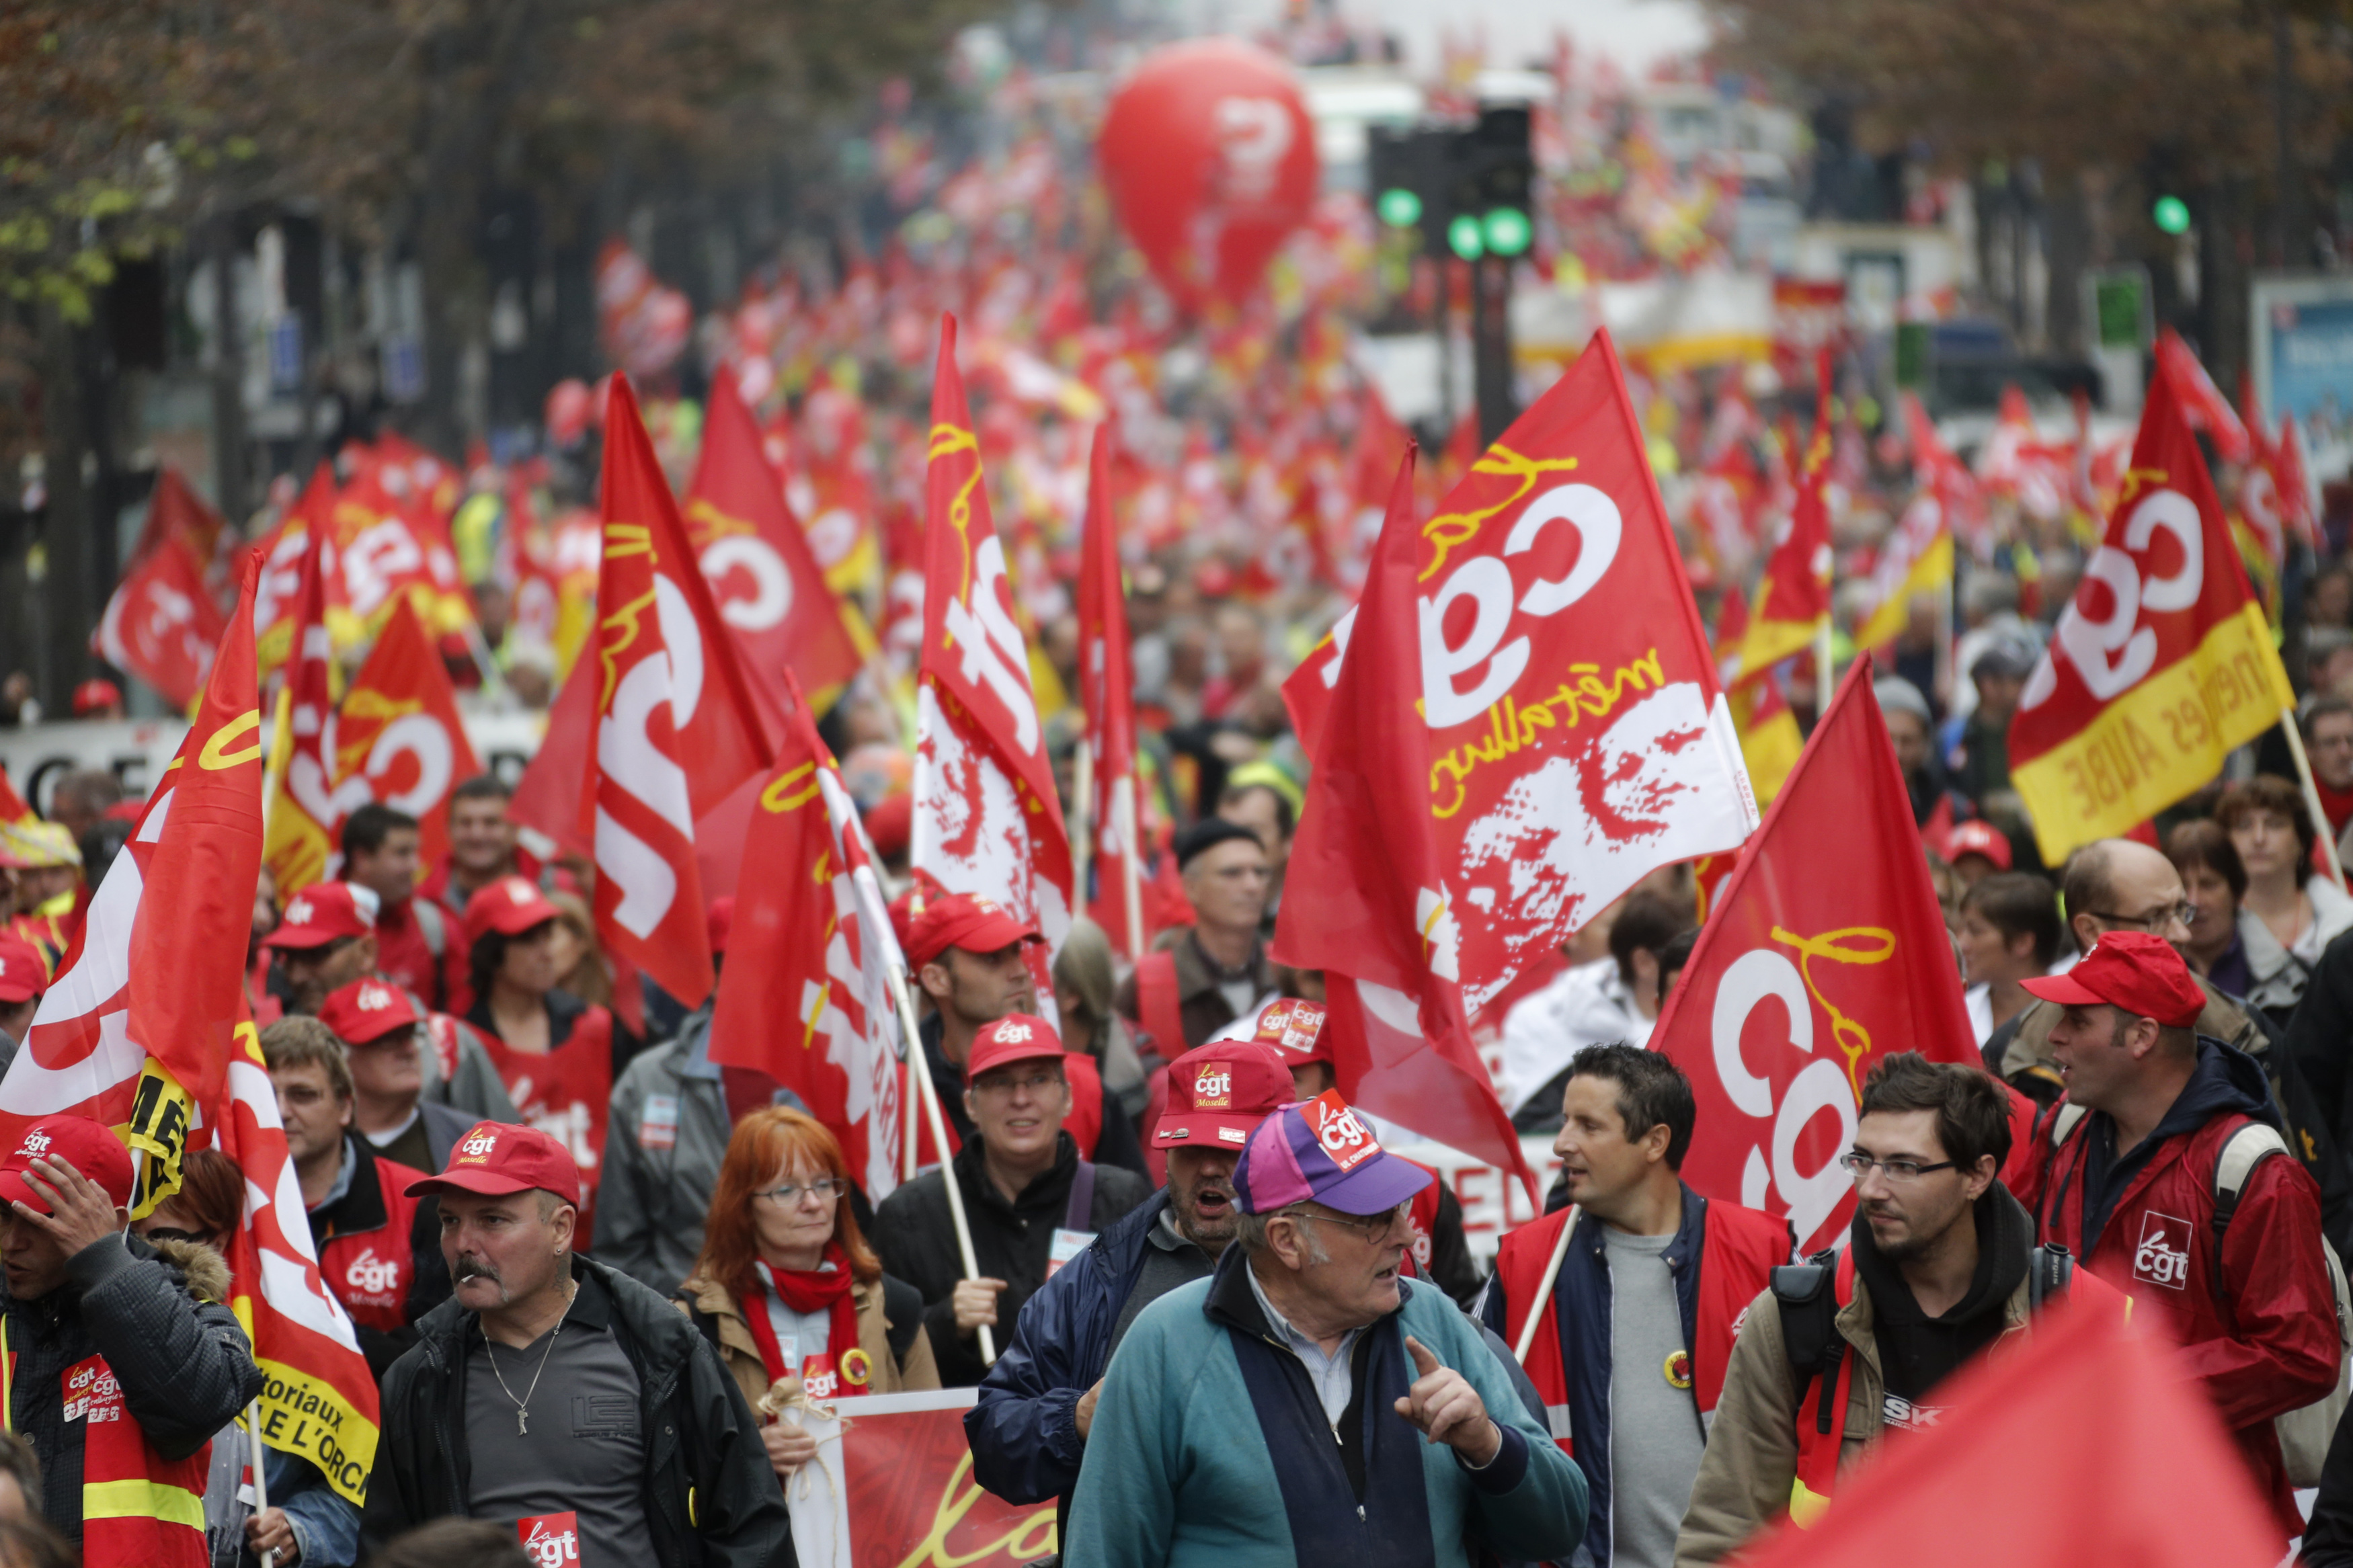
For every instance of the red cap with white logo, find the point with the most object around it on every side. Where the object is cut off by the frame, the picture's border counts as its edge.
(87, 1145)
(367, 1009)
(510, 906)
(496, 1158)
(1014, 1037)
(23, 975)
(324, 912)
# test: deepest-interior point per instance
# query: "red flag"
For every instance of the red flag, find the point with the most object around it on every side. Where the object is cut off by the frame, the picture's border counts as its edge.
(2202, 401)
(12, 804)
(675, 729)
(769, 588)
(806, 996)
(987, 819)
(1793, 599)
(2084, 1445)
(2294, 484)
(1381, 441)
(178, 512)
(1855, 965)
(1107, 696)
(162, 625)
(2161, 666)
(397, 737)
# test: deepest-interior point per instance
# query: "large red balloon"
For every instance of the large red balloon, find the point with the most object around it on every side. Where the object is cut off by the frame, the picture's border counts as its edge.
(1210, 159)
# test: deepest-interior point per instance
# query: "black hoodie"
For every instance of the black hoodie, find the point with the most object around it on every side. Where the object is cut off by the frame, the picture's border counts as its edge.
(2225, 1082)
(1917, 1352)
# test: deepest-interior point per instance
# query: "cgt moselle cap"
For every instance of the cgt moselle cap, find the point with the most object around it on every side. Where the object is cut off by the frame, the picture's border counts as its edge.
(1322, 1151)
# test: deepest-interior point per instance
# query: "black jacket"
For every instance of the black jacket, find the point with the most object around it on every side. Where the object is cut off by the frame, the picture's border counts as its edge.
(2328, 1538)
(184, 1365)
(916, 1234)
(702, 1441)
(363, 1208)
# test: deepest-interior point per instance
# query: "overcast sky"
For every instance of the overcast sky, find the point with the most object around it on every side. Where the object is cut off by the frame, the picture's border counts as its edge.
(1632, 32)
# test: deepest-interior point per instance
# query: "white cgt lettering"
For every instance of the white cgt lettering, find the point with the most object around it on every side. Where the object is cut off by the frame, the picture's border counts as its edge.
(771, 598)
(1486, 582)
(990, 643)
(1811, 1196)
(2115, 651)
(630, 761)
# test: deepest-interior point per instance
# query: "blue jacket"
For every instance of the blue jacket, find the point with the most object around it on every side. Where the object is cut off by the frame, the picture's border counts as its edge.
(1210, 1449)
(1024, 1432)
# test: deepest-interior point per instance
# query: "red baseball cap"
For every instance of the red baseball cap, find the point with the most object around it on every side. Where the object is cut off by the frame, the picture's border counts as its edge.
(1219, 1092)
(1979, 837)
(84, 1144)
(324, 912)
(722, 920)
(967, 921)
(891, 823)
(496, 1158)
(1014, 1037)
(510, 906)
(2132, 970)
(367, 1009)
(23, 975)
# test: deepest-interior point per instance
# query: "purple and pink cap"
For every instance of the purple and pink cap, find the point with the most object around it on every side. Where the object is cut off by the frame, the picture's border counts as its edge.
(1320, 1151)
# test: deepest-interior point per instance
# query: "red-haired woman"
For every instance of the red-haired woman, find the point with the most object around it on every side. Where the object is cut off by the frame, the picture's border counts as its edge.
(786, 1286)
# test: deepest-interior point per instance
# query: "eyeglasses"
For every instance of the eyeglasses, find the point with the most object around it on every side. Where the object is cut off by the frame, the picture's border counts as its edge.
(1037, 1083)
(1371, 1227)
(2187, 913)
(1858, 1166)
(825, 1189)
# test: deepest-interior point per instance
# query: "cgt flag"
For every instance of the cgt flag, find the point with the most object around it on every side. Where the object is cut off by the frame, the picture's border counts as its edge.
(988, 817)
(767, 585)
(300, 845)
(397, 737)
(147, 1032)
(2161, 666)
(1107, 697)
(806, 996)
(675, 725)
(161, 624)
(1800, 981)
(1494, 771)
(1793, 599)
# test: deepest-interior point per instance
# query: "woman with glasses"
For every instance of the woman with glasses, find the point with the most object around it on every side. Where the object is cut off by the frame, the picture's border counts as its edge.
(787, 1289)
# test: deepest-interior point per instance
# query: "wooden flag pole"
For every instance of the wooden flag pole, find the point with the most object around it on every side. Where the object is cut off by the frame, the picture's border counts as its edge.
(1543, 1289)
(1082, 832)
(1123, 807)
(2312, 797)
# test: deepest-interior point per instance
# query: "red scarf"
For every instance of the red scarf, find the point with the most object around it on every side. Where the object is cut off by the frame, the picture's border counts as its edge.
(2338, 803)
(805, 1290)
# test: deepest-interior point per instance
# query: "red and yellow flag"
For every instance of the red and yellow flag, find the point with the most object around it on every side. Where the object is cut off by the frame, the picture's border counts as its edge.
(397, 737)
(1800, 981)
(2161, 666)
(1793, 600)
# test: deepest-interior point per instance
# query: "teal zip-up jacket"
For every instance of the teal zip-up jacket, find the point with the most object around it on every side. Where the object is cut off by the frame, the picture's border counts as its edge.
(1210, 1449)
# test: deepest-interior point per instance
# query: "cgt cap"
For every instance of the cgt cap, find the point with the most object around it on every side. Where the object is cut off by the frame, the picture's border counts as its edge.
(495, 1159)
(1014, 1037)
(2132, 970)
(324, 912)
(85, 1145)
(967, 921)
(1292, 1025)
(23, 975)
(1219, 1092)
(1322, 1151)
(1976, 837)
(367, 1009)
(510, 906)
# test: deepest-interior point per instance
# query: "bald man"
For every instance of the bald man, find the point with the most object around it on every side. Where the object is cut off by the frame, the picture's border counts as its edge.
(2114, 884)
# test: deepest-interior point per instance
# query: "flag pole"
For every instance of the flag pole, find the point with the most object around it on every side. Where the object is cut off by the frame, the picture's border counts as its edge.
(1123, 811)
(261, 1482)
(928, 1093)
(1544, 1287)
(1823, 685)
(2320, 825)
(1082, 837)
(1943, 676)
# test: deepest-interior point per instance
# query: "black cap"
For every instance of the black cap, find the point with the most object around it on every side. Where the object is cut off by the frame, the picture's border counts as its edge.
(1206, 835)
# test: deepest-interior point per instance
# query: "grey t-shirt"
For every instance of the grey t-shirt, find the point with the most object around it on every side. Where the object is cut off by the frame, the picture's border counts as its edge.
(1654, 1433)
(585, 1449)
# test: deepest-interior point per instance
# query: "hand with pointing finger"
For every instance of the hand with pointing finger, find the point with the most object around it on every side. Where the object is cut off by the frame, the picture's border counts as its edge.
(1443, 1403)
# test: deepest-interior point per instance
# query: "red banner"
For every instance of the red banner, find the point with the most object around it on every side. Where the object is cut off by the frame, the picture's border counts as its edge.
(909, 1499)
(1801, 981)
(398, 737)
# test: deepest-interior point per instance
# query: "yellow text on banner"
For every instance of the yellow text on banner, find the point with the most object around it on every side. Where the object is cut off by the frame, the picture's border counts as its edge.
(2159, 741)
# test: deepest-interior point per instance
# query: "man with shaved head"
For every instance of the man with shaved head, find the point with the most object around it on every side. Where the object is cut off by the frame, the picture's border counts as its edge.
(2114, 884)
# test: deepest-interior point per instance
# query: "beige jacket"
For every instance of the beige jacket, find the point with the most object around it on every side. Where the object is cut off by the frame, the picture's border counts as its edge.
(1751, 1460)
(892, 1374)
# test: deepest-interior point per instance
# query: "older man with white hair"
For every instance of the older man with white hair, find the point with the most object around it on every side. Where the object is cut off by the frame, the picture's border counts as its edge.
(1304, 1404)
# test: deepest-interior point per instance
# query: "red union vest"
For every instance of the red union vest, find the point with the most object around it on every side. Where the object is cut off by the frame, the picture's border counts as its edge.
(371, 1271)
(1739, 1249)
(137, 1507)
(1425, 1222)
(567, 1093)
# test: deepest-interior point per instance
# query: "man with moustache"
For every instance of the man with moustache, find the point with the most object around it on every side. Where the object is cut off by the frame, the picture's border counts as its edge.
(1029, 1433)
(563, 1397)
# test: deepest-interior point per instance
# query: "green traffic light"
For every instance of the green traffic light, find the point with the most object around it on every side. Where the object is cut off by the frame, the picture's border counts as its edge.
(1507, 231)
(1463, 238)
(2171, 213)
(1398, 208)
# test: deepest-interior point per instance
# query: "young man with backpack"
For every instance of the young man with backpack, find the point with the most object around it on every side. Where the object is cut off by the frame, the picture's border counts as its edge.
(2162, 1176)
(1856, 1343)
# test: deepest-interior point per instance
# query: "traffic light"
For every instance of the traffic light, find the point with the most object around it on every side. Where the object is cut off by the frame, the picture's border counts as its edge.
(1494, 173)
(2171, 214)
